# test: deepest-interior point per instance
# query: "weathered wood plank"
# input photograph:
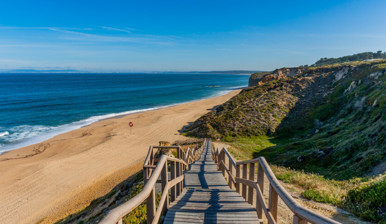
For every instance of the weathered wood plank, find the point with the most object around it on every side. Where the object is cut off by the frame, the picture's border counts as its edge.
(173, 176)
(273, 202)
(251, 178)
(244, 187)
(207, 197)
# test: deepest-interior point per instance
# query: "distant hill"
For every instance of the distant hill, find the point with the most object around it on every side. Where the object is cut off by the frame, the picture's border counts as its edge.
(355, 57)
(234, 72)
(79, 71)
(225, 72)
(39, 71)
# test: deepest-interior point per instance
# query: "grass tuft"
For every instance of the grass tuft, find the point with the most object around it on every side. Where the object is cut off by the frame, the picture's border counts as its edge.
(368, 200)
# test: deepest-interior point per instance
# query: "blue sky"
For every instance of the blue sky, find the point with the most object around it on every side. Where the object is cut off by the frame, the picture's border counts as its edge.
(185, 35)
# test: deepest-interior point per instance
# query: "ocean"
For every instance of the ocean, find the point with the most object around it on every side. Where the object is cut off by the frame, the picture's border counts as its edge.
(36, 107)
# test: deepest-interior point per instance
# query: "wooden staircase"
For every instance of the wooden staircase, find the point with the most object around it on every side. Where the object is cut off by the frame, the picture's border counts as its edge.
(207, 197)
(204, 185)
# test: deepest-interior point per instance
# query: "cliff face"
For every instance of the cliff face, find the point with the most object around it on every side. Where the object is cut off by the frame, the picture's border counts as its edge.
(263, 77)
(336, 114)
(270, 99)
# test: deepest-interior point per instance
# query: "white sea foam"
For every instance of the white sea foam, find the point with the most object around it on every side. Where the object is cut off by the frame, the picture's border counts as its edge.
(4, 133)
(24, 135)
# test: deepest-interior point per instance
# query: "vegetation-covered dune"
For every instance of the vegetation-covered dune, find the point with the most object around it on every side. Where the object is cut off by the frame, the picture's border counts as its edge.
(328, 120)
(355, 57)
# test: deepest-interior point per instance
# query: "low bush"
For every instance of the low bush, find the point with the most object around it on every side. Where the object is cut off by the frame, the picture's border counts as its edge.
(368, 201)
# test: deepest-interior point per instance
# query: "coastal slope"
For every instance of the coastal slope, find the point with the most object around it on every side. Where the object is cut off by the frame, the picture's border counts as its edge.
(324, 128)
(336, 114)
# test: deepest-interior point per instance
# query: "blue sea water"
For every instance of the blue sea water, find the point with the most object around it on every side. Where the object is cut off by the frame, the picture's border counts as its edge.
(35, 107)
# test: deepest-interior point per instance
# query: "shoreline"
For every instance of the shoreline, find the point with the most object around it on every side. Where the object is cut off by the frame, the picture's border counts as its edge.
(49, 180)
(64, 128)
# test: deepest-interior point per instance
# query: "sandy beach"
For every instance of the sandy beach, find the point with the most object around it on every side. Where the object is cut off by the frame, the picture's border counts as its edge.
(44, 182)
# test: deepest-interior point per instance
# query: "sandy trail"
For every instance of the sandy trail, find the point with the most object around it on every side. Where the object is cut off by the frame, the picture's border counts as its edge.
(47, 181)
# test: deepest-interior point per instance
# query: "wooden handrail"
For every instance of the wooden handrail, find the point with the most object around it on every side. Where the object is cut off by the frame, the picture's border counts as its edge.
(165, 147)
(152, 172)
(247, 161)
(252, 187)
(116, 214)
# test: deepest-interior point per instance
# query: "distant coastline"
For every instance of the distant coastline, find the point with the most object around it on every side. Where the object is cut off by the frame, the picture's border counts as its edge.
(65, 71)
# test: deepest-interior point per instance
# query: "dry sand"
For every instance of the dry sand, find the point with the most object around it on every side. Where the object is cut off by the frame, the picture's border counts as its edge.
(47, 181)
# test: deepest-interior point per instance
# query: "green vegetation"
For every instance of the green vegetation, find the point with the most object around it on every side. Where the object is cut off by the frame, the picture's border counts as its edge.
(364, 196)
(322, 128)
(319, 196)
(138, 215)
(355, 57)
(338, 132)
(250, 145)
(368, 200)
(315, 187)
(251, 113)
(343, 137)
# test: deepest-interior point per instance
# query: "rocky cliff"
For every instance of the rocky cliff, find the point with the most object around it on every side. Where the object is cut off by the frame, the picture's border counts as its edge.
(328, 120)
(273, 98)
(263, 77)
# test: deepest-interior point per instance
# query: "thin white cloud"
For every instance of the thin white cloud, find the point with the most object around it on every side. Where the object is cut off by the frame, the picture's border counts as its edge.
(14, 61)
(42, 28)
(144, 39)
(126, 30)
(90, 35)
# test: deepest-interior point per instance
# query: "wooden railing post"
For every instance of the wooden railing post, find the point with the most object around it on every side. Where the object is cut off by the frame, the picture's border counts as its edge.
(299, 220)
(179, 153)
(178, 172)
(245, 170)
(223, 163)
(252, 178)
(150, 202)
(260, 181)
(181, 173)
(145, 175)
(164, 182)
(230, 167)
(218, 160)
(273, 202)
(237, 176)
(173, 176)
(151, 156)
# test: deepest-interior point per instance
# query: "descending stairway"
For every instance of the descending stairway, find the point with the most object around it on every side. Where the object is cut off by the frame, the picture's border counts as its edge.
(212, 191)
(207, 198)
